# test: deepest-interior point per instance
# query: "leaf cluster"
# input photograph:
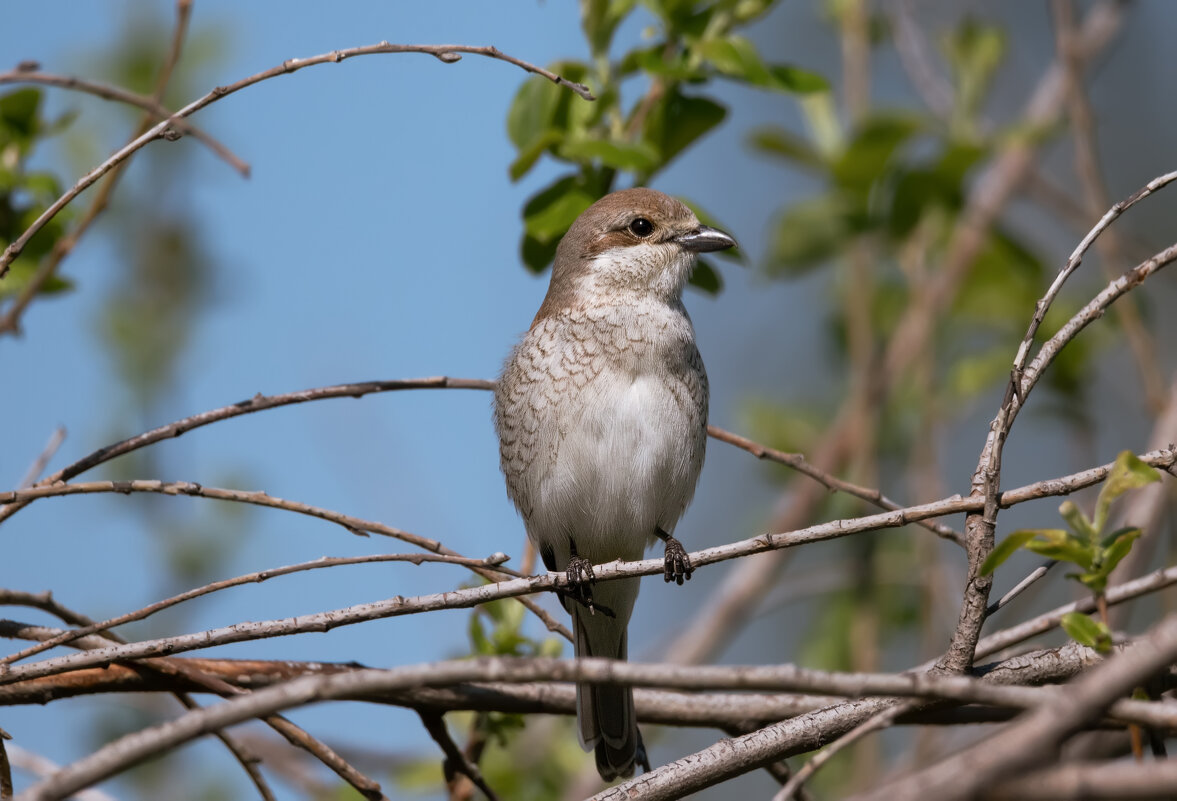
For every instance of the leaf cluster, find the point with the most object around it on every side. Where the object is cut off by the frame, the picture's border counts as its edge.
(25, 193)
(1085, 544)
(693, 44)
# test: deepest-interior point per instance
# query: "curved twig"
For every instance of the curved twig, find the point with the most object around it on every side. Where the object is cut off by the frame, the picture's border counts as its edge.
(445, 53)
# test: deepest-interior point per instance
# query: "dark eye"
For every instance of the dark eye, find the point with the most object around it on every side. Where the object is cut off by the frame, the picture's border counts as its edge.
(641, 227)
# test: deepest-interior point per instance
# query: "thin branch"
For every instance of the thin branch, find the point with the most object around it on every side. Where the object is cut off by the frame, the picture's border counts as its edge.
(157, 110)
(455, 760)
(884, 719)
(1097, 198)
(446, 53)
(47, 453)
(257, 403)
(249, 578)
(1021, 586)
(798, 462)
(1091, 781)
(23, 759)
(1047, 621)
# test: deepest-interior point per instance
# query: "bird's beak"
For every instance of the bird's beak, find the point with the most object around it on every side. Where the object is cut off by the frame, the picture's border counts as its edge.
(705, 239)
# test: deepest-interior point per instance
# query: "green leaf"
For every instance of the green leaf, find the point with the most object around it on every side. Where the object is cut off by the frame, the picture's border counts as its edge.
(789, 78)
(736, 57)
(633, 157)
(1078, 521)
(865, 158)
(677, 120)
(542, 113)
(775, 141)
(974, 52)
(537, 255)
(1118, 547)
(18, 116)
(810, 233)
(21, 272)
(548, 214)
(530, 154)
(1085, 631)
(706, 278)
(1127, 473)
(1005, 549)
(659, 61)
(600, 18)
(1054, 543)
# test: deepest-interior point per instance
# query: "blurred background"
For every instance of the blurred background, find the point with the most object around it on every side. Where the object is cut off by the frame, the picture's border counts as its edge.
(398, 222)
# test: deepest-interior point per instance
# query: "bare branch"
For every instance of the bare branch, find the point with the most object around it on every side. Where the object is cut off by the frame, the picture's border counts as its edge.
(1114, 781)
(455, 760)
(157, 110)
(445, 53)
(257, 577)
(39, 464)
(158, 739)
(1024, 743)
(798, 462)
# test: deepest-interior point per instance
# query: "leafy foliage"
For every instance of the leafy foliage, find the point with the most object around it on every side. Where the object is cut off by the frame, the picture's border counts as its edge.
(24, 193)
(1085, 544)
(601, 141)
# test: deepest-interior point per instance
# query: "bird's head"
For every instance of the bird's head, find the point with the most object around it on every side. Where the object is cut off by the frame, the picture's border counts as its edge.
(633, 241)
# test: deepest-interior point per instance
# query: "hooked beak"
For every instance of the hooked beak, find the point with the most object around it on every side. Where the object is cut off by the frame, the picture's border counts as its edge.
(705, 239)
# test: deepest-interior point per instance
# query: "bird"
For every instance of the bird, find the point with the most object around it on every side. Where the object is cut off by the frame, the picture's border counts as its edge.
(601, 416)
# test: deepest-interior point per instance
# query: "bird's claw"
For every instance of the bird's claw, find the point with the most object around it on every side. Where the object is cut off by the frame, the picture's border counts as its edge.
(580, 580)
(678, 563)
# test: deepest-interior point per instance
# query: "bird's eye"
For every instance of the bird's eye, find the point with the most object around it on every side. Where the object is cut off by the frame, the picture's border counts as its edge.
(641, 227)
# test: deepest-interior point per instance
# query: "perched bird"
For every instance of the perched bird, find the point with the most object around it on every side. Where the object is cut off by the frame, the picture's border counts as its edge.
(601, 412)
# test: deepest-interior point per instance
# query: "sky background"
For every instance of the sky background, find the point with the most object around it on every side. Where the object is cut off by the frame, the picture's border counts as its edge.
(378, 238)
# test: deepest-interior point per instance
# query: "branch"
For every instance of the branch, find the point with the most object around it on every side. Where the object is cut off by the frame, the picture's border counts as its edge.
(445, 53)
(155, 740)
(1038, 734)
(473, 596)
(1114, 781)
(249, 578)
(152, 106)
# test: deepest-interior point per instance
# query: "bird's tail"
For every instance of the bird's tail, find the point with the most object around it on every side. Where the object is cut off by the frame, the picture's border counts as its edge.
(605, 712)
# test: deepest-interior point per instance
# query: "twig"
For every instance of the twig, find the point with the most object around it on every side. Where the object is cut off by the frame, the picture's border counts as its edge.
(1047, 621)
(1097, 198)
(446, 53)
(157, 110)
(1021, 586)
(38, 765)
(798, 462)
(38, 465)
(258, 577)
(257, 403)
(1114, 781)
(884, 719)
(455, 760)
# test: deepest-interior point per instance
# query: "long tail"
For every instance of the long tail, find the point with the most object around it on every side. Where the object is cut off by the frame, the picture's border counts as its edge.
(604, 712)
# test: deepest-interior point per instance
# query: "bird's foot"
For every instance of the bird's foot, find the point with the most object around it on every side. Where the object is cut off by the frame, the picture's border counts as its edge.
(580, 581)
(678, 563)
